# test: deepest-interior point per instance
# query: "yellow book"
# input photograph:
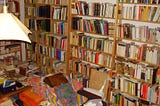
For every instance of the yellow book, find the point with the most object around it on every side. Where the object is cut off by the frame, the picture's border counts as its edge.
(55, 102)
(130, 88)
(27, 22)
(79, 99)
(146, 13)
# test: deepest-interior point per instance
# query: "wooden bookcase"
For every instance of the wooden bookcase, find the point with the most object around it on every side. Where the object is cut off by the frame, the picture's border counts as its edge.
(117, 36)
(49, 22)
(133, 47)
(91, 37)
(137, 54)
(11, 50)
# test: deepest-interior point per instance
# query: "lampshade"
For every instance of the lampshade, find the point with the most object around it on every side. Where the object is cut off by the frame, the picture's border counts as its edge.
(11, 28)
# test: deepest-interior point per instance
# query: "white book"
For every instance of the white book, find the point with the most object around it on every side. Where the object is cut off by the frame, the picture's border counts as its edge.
(82, 6)
(139, 69)
(104, 9)
(53, 52)
(111, 10)
(100, 59)
(139, 90)
(124, 12)
(155, 56)
(90, 5)
(94, 57)
(128, 13)
(157, 14)
(110, 47)
(122, 84)
(136, 13)
(101, 9)
(107, 10)
(151, 13)
(116, 83)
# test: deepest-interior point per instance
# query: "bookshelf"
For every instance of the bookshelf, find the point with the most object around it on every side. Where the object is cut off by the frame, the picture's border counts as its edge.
(49, 23)
(13, 7)
(119, 36)
(137, 54)
(11, 50)
(91, 38)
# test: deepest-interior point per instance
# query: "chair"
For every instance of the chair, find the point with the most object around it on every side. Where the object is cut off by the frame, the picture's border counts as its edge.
(98, 86)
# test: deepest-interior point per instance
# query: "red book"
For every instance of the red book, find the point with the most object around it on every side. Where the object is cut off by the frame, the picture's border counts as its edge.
(144, 91)
(57, 54)
(139, 54)
(158, 76)
(97, 57)
(90, 26)
(59, 29)
(158, 94)
(56, 1)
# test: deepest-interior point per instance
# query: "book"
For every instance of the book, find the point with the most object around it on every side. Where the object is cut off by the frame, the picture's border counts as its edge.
(157, 15)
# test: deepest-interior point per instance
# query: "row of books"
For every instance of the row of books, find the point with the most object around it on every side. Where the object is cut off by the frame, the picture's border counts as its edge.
(141, 33)
(42, 25)
(7, 43)
(46, 64)
(16, 54)
(126, 85)
(38, 25)
(60, 12)
(40, 11)
(46, 25)
(91, 42)
(119, 99)
(91, 56)
(123, 99)
(58, 54)
(44, 60)
(141, 1)
(93, 26)
(60, 28)
(50, 66)
(29, 1)
(51, 40)
(138, 52)
(53, 53)
(4, 50)
(62, 2)
(83, 68)
(43, 11)
(80, 67)
(140, 71)
(138, 89)
(142, 13)
(95, 9)
(43, 1)
(30, 11)
(13, 6)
